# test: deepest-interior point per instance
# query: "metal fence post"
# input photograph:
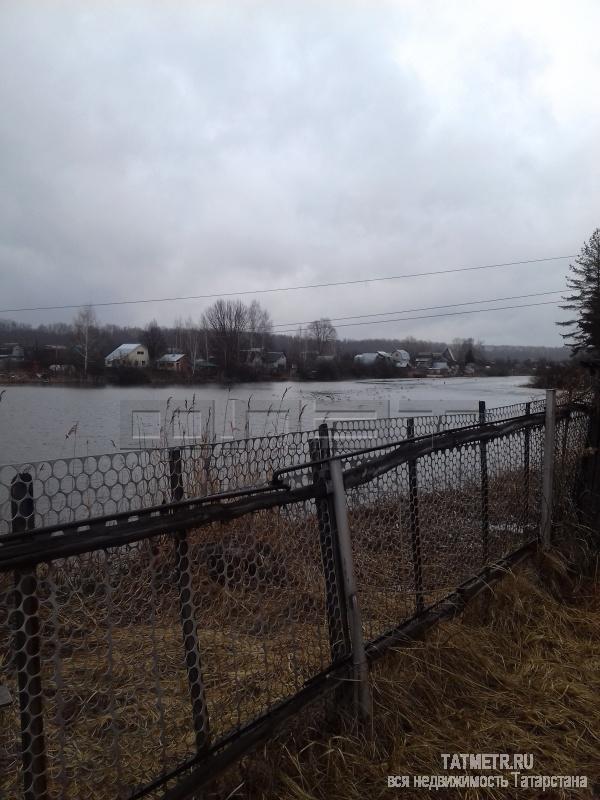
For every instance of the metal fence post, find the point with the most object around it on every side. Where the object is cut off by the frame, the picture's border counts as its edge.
(526, 468)
(362, 694)
(485, 518)
(186, 609)
(337, 617)
(27, 648)
(548, 469)
(415, 533)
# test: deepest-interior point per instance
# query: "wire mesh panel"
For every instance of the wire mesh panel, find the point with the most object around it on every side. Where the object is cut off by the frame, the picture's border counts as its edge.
(126, 658)
(450, 517)
(379, 521)
(131, 687)
(354, 434)
(514, 481)
(570, 443)
(72, 489)
(229, 465)
(11, 779)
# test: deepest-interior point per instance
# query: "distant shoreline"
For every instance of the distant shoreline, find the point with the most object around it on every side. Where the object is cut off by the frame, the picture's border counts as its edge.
(73, 384)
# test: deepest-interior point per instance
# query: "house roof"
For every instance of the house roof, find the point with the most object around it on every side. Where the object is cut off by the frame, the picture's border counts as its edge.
(271, 358)
(122, 351)
(171, 358)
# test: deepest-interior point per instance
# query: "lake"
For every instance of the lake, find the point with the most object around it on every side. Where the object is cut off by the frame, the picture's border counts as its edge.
(48, 422)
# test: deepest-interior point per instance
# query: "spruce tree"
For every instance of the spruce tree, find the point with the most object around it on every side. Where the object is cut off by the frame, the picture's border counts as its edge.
(583, 283)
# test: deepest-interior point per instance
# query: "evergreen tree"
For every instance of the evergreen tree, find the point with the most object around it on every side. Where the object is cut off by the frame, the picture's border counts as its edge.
(584, 286)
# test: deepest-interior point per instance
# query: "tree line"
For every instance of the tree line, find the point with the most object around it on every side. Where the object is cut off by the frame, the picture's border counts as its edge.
(225, 333)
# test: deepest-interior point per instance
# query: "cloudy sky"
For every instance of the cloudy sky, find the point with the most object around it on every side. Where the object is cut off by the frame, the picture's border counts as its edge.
(158, 149)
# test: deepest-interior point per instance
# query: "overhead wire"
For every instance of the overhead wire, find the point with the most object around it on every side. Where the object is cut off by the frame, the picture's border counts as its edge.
(432, 316)
(272, 290)
(424, 308)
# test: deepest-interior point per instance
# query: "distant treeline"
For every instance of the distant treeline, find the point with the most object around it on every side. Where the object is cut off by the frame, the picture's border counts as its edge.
(229, 329)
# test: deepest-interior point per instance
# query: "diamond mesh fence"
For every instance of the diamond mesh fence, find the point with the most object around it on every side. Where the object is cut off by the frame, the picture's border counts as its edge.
(127, 660)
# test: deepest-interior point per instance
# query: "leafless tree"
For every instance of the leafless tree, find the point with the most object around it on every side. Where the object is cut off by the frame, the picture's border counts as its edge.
(154, 340)
(462, 350)
(193, 341)
(322, 332)
(226, 321)
(85, 334)
(179, 335)
(260, 326)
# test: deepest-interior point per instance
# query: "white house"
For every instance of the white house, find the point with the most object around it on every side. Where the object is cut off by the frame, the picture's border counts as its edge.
(261, 359)
(274, 361)
(12, 352)
(399, 358)
(128, 355)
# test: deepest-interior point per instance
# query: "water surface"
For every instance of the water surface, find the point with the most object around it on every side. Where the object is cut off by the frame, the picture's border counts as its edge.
(35, 421)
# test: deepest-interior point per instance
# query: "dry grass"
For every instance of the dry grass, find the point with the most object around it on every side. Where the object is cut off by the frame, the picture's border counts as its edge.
(518, 674)
(123, 713)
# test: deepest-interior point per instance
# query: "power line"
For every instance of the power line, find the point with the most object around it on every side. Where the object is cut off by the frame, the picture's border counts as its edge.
(431, 316)
(424, 308)
(283, 288)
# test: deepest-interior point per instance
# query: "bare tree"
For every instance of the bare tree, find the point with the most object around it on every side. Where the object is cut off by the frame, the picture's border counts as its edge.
(154, 339)
(85, 334)
(260, 326)
(323, 334)
(226, 321)
(463, 350)
(193, 341)
(179, 334)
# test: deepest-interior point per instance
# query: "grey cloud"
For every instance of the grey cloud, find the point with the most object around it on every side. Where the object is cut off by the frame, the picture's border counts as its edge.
(155, 149)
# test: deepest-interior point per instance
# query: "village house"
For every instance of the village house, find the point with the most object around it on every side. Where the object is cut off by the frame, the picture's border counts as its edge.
(399, 358)
(128, 355)
(262, 360)
(274, 361)
(436, 363)
(252, 357)
(174, 362)
(206, 366)
(12, 354)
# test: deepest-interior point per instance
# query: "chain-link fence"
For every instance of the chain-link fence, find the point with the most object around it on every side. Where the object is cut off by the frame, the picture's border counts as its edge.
(145, 628)
(72, 489)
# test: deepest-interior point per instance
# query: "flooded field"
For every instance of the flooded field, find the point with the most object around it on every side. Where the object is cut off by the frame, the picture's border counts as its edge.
(41, 422)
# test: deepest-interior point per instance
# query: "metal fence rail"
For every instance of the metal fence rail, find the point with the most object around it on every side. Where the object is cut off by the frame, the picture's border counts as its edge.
(136, 644)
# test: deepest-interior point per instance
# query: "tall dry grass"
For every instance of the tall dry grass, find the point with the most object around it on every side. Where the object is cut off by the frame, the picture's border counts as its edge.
(519, 672)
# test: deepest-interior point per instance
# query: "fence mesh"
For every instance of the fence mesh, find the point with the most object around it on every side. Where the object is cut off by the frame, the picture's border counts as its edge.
(126, 661)
(70, 489)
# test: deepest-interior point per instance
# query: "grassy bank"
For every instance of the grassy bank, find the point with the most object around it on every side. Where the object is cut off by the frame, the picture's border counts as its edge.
(517, 673)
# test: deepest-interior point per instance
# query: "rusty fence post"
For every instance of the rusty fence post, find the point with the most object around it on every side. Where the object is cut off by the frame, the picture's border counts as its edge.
(191, 645)
(415, 531)
(27, 648)
(485, 495)
(337, 616)
(362, 693)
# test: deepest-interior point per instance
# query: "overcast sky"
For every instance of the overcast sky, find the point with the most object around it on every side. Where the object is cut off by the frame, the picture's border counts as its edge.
(171, 148)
